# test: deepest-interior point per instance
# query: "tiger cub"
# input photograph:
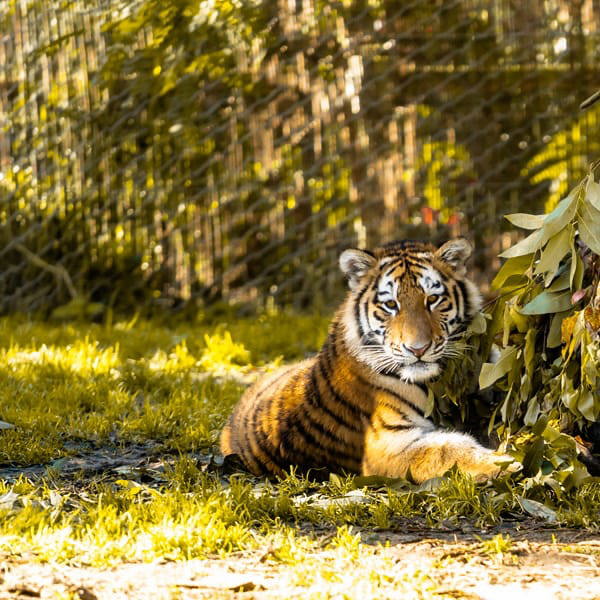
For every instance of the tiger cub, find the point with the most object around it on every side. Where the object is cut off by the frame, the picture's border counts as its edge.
(359, 405)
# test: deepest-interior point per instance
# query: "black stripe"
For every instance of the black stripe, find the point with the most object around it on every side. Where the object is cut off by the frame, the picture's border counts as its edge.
(248, 456)
(270, 385)
(326, 376)
(264, 443)
(371, 341)
(406, 446)
(301, 458)
(255, 428)
(251, 427)
(419, 385)
(334, 345)
(271, 452)
(324, 451)
(378, 318)
(395, 427)
(416, 408)
(327, 347)
(456, 297)
(395, 409)
(390, 373)
(467, 304)
(309, 442)
(316, 395)
(334, 450)
(331, 343)
(422, 387)
(392, 264)
(357, 311)
(416, 264)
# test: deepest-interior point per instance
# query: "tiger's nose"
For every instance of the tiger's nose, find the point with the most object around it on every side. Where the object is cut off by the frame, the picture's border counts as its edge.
(419, 349)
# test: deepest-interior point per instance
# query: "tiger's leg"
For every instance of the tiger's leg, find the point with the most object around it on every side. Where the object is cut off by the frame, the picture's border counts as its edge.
(427, 453)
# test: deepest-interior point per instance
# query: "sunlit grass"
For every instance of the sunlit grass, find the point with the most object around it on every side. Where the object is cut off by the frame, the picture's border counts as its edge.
(134, 381)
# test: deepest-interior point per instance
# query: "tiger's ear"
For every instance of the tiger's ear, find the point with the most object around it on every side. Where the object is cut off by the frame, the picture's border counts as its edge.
(455, 253)
(355, 264)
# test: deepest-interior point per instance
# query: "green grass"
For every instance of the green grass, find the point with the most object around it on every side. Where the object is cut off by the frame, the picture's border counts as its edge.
(132, 381)
(79, 388)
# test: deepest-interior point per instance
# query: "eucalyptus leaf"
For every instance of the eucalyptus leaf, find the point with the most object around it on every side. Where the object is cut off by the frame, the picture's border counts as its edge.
(526, 221)
(548, 302)
(554, 338)
(533, 411)
(589, 226)
(479, 324)
(514, 283)
(556, 249)
(588, 406)
(562, 215)
(534, 456)
(529, 353)
(530, 244)
(513, 266)
(540, 425)
(537, 509)
(577, 268)
(562, 281)
(491, 372)
(592, 193)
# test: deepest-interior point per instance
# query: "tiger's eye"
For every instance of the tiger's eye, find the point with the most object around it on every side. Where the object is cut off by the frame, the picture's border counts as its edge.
(431, 299)
(390, 304)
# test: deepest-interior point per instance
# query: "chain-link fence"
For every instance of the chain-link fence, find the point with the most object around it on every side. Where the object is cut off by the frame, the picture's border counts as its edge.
(154, 152)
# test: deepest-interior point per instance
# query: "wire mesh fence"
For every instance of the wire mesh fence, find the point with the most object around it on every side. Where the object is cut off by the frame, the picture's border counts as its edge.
(160, 152)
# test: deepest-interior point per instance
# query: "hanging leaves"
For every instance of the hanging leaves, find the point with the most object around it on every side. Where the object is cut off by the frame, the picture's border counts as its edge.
(491, 372)
(526, 221)
(556, 249)
(589, 226)
(548, 302)
(549, 364)
(546, 379)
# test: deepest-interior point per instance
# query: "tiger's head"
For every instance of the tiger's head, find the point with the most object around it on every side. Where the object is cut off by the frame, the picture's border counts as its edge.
(408, 304)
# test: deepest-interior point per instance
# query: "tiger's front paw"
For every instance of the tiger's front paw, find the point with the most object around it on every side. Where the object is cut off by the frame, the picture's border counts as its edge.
(509, 464)
(494, 464)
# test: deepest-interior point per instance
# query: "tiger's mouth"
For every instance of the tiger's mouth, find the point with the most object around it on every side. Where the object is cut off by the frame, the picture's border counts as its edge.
(418, 370)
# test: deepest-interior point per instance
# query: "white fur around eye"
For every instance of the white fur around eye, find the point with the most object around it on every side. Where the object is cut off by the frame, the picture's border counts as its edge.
(431, 283)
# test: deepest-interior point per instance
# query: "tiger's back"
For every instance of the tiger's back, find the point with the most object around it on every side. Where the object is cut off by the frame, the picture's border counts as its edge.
(304, 415)
(360, 404)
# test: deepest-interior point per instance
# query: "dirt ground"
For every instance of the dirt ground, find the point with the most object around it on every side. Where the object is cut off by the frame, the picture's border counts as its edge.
(411, 562)
(544, 564)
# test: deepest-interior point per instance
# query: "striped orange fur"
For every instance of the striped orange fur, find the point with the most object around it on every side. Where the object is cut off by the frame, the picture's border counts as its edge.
(359, 405)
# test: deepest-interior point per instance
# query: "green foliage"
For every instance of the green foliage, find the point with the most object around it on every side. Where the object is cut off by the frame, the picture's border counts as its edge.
(543, 388)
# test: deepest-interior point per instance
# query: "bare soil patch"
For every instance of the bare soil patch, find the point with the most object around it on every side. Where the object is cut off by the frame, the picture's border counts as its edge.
(541, 563)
